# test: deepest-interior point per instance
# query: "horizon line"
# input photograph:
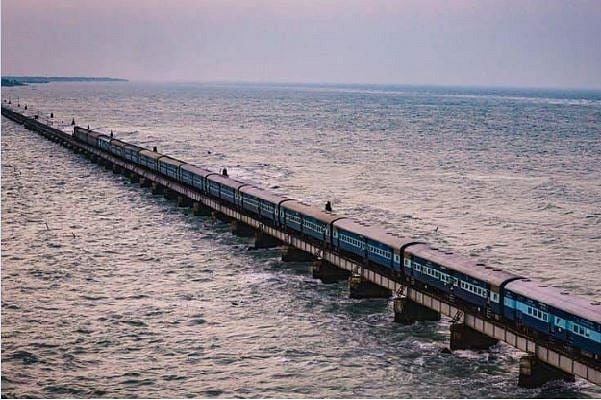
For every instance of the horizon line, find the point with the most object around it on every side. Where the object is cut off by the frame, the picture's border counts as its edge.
(322, 83)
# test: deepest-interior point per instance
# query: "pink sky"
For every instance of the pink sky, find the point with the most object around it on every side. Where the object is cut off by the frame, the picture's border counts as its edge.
(515, 43)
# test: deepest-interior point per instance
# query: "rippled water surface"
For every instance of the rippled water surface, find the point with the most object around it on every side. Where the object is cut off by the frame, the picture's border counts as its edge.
(108, 291)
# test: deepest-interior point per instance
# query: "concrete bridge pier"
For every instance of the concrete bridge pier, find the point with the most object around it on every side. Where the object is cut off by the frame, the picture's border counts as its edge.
(133, 177)
(116, 169)
(183, 201)
(145, 182)
(241, 229)
(360, 288)
(169, 194)
(221, 217)
(406, 311)
(291, 254)
(327, 272)
(100, 161)
(534, 373)
(156, 188)
(465, 338)
(200, 209)
(264, 241)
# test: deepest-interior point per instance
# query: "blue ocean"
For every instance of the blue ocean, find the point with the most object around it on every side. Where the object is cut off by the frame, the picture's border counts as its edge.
(109, 291)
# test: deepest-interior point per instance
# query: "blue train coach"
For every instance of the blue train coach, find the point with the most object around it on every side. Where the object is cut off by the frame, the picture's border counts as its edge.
(169, 167)
(551, 312)
(386, 249)
(92, 138)
(307, 220)
(194, 176)
(125, 150)
(261, 203)
(224, 188)
(149, 159)
(464, 277)
(349, 236)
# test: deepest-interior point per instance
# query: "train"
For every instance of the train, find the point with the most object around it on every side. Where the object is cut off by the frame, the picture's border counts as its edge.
(528, 306)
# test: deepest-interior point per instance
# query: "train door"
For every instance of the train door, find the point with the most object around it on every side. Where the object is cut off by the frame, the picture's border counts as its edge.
(238, 198)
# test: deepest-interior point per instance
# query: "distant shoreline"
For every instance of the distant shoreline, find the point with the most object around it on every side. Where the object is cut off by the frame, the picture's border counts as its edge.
(24, 80)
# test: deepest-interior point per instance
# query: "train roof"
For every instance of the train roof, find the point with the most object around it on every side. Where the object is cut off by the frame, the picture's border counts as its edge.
(171, 161)
(224, 180)
(88, 131)
(151, 154)
(263, 194)
(196, 170)
(353, 225)
(463, 264)
(121, 143)
(557, 298)
(377, 233)
(310, 211)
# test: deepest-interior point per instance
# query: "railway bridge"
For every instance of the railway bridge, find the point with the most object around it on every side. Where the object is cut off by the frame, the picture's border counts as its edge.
(469, 330)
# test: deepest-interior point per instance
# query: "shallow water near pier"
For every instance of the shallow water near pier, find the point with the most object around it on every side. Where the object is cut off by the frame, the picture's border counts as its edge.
(109, 291)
